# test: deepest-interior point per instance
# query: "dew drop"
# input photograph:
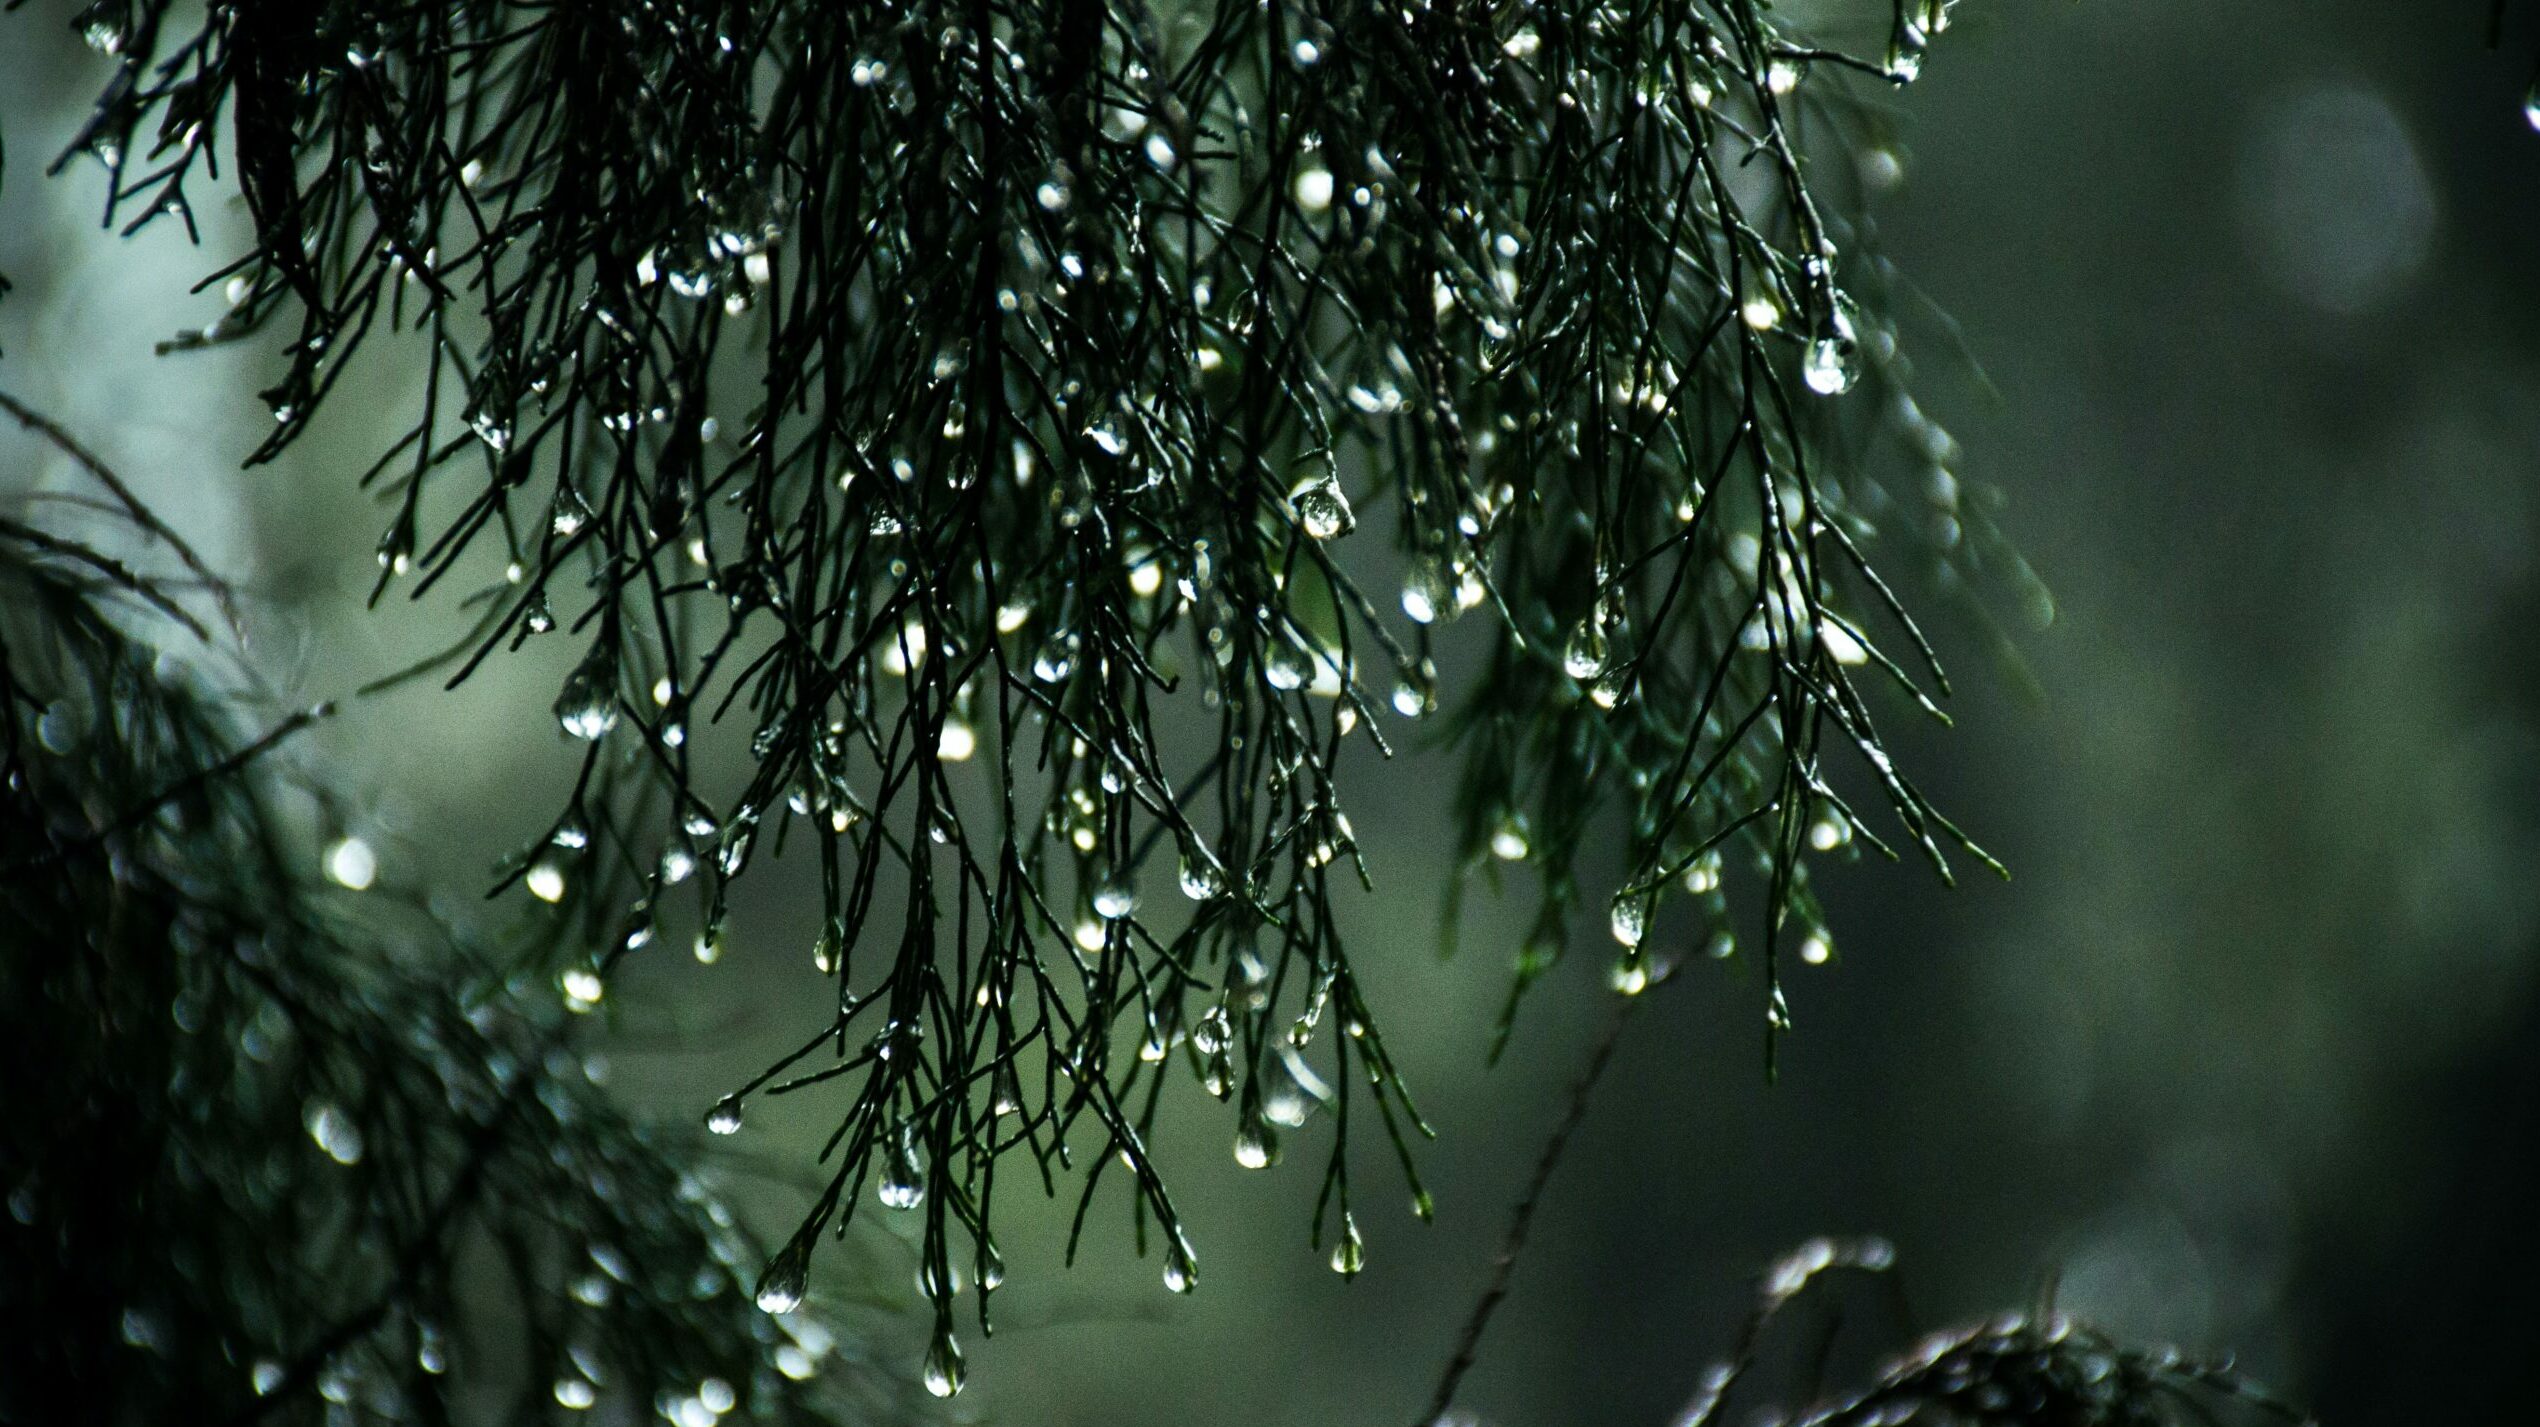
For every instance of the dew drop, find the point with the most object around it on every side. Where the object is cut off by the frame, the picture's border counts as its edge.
(725, 1117)
(1585, 657)
(582, 989)
(780, 1289)
(545, 880)
(1321, 508)
(587, 706)
(1508, 841)
(1200, 878)
(1428, 592)
(1349, 1256)
(1180, 1271)
(1833, 361)
(1629, 919)
(1256, 1144)
(334, 1132)
(352, 864)
(943, 1373)
(903, 1183)
(1115, 899)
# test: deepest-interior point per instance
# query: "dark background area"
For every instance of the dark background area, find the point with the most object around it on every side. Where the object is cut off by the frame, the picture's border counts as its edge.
(2247, 1056)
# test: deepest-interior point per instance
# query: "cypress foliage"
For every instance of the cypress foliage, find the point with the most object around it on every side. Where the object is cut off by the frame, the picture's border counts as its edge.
(944, 399)
(272, 1154)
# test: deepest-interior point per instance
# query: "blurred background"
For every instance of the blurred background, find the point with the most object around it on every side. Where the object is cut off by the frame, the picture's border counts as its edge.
(2243, 1059)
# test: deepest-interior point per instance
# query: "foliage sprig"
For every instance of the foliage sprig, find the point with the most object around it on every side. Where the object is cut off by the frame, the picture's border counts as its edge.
(940, 392)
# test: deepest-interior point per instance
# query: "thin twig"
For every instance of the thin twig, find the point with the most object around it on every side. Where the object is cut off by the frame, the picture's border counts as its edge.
(141, 513)
(1521, 1222)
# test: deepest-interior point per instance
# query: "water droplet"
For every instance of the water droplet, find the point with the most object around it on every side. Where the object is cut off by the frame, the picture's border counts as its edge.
(1630, 975)
(587, 706)
(545, 880)
(1833, 362)
(575, 1393)
(957, 742)
(1180, 1271)
(265, 1376)
(2531, 106)
(1349, 1256)
(1314, 189)
(903, 1183)
(352, 864)
(1054, 661)
(1508, 841)
(1629, 919)
(1905, 54)
(1321, 508)
(1201, 879)
(1214, 1030)
(1428, 592)
(1282, 667)
(725, 1117)
(1817, 949)
(1160, 152)
(943, 1372)
(334, 1132)
(1256, 1144)
(1115, 899)
(582, 989)
(1703, 874)
(780, 1288)
(1585, 657)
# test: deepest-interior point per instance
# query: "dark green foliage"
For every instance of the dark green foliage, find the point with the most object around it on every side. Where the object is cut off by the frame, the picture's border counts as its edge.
(269, 1154)
(2015, 1370)
(913, 384)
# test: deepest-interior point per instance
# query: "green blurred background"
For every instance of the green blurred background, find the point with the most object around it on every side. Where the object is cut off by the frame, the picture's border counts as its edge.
(2248, 1056)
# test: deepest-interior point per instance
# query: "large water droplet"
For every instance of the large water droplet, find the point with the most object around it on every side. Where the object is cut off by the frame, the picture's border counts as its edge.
(1585, 657)
(725, 1117)
(587, 706)
(1321, 508)
(1201, 879)
(1834, 354)
(1256, 1144)
(1350, 1254)
(544, 879)
(903, 1183)
(1428, 591)
(1282, 667)
(1629, 918)
(1180, 1271)
(943, 1373)
(1115, 899)
(780, 1289)
(334, 1132)
(352, 864)
(1508, 841)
